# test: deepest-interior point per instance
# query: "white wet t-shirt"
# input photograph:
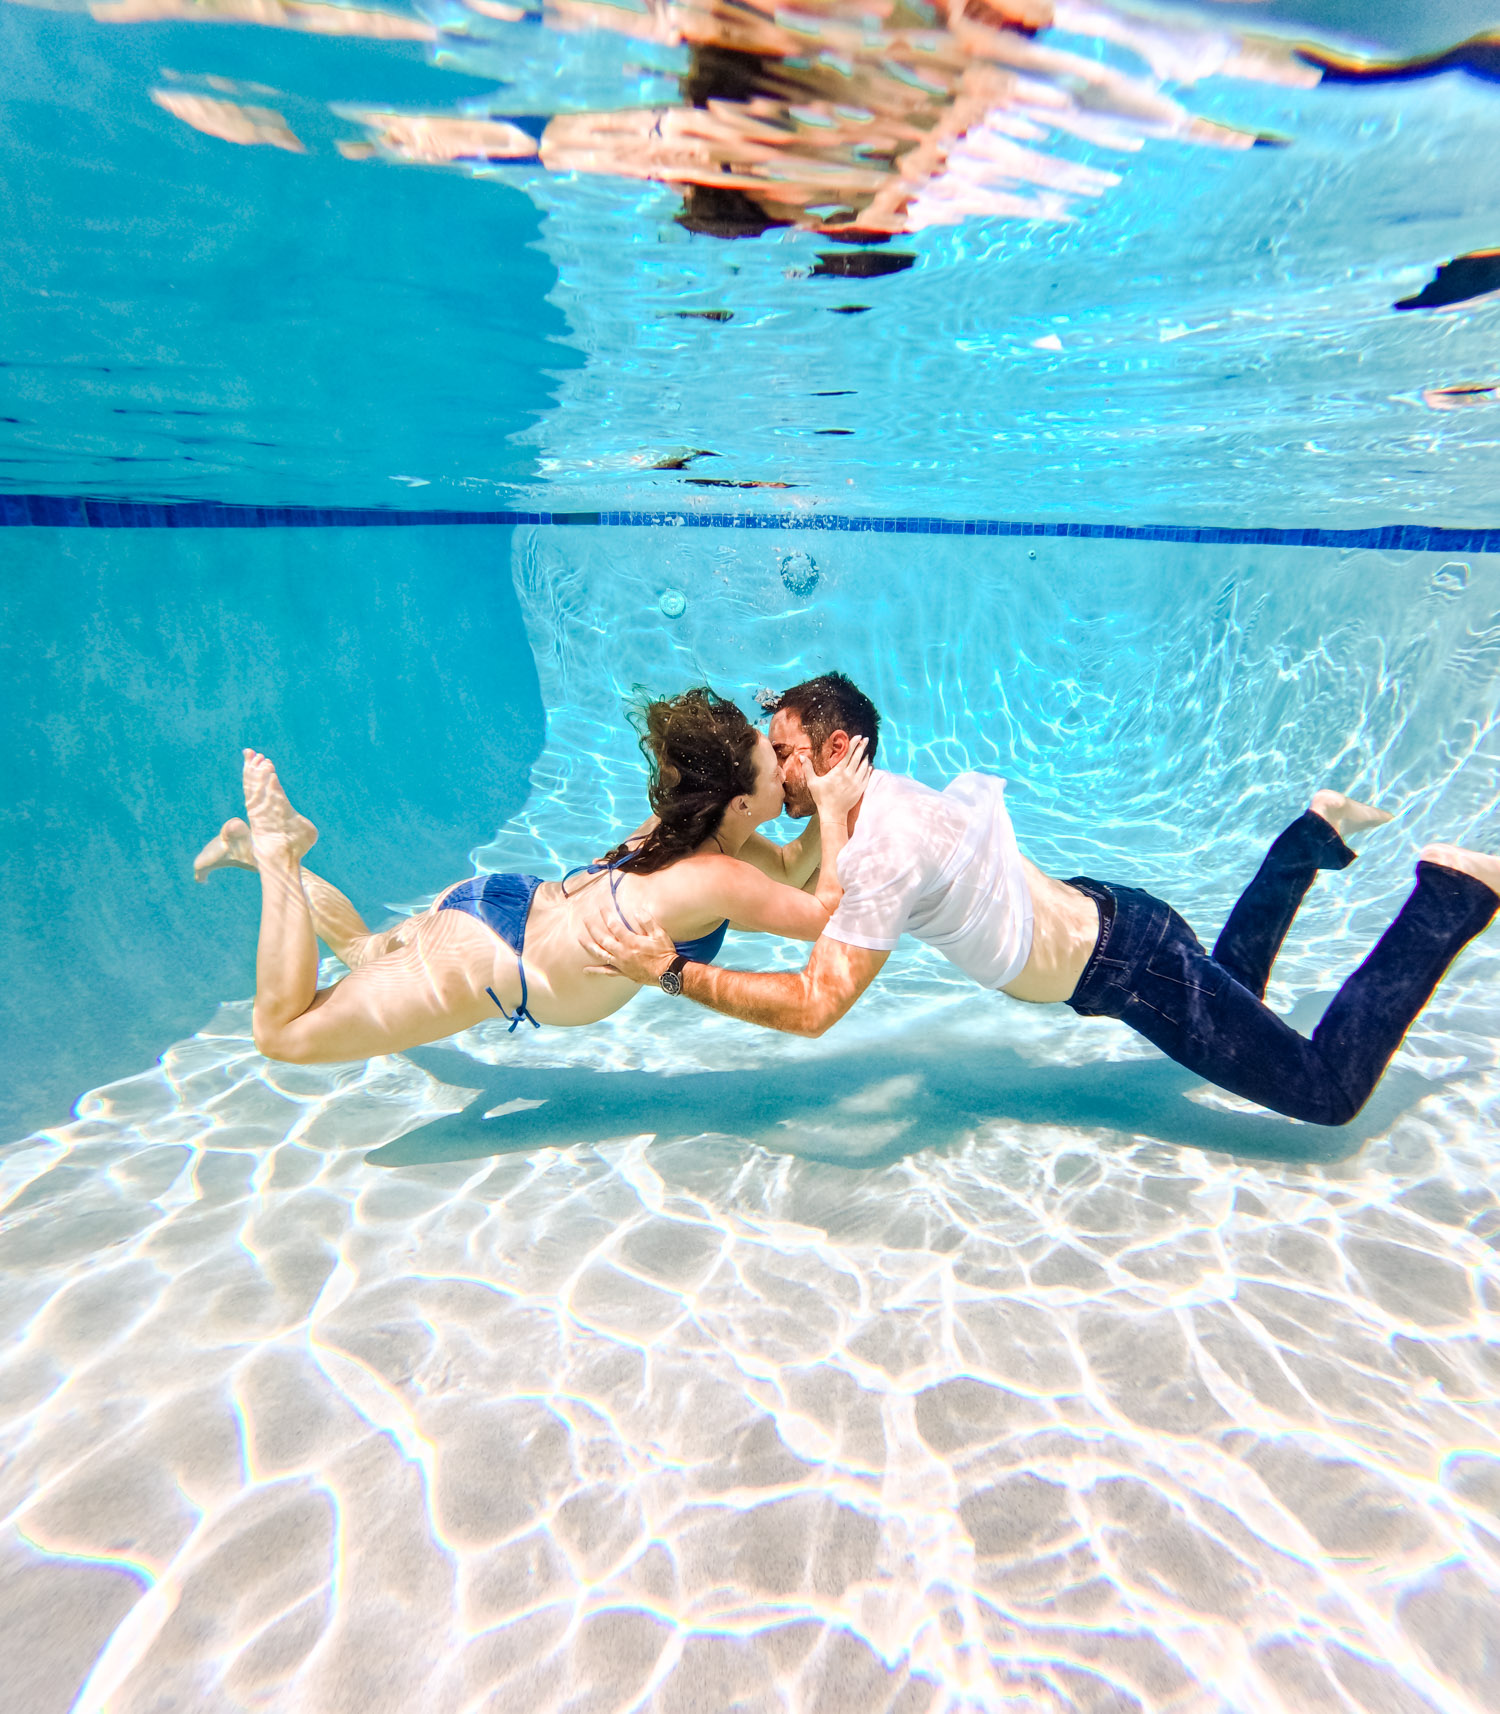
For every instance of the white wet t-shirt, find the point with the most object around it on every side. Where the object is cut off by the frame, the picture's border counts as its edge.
(942, 866)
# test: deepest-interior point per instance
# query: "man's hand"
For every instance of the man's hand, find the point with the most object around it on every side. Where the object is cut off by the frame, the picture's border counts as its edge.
(640, 954)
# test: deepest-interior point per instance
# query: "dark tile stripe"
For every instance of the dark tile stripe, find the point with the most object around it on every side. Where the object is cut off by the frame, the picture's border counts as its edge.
(79, 512)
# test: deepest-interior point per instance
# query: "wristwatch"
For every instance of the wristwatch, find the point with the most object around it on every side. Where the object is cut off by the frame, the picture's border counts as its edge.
(671, 977)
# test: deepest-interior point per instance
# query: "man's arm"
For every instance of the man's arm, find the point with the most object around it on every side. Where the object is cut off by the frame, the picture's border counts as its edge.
(804, 1002)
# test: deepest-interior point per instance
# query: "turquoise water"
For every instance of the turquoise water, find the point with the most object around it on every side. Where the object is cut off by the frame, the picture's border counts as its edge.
(970, 1357)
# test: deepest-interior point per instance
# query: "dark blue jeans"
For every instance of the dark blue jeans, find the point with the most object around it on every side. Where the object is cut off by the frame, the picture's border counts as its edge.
(1207, 1012)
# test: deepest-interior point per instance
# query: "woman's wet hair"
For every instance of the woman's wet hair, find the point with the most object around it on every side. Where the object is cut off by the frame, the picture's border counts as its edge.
(701, 752)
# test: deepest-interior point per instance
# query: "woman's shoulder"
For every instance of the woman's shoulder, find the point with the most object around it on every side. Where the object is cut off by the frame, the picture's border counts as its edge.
(705, 874)
(693, 870)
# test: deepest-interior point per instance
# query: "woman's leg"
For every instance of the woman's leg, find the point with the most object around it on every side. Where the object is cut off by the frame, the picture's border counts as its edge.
(335, 921)
(437, 983)
(286, 957)
(1259, 921)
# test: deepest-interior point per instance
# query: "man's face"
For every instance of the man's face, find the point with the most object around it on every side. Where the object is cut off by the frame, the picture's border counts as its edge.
(795, 758)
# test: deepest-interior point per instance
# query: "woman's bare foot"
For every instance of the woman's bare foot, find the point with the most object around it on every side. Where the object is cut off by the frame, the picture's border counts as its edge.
(274, 824)
(1476, 863)
(1346, 815)
(229, 848)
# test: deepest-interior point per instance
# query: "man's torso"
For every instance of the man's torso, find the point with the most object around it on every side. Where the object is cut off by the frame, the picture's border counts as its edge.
(942, 866)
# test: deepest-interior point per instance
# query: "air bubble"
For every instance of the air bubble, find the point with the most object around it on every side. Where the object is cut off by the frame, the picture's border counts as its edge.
(1453, 576)
(799, 573)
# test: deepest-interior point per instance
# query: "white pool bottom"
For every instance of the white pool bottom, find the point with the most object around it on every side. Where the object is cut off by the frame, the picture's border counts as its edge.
(1047, 1419)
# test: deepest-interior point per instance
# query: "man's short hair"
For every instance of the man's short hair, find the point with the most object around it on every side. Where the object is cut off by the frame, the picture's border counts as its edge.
(829, 704)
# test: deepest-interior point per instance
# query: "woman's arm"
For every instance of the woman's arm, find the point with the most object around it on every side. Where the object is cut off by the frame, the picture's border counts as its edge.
(836, 793)
(792, 863)
(729, 887)
(819, 843)
(726, 887)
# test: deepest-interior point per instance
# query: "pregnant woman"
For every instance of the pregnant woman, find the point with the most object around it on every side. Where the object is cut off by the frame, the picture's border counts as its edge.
(508, 945)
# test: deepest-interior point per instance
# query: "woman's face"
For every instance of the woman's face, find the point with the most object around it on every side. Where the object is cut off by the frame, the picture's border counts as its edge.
(766, 804)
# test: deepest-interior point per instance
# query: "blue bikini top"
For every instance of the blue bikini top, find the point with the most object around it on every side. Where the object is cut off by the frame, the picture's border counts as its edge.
(704, 950)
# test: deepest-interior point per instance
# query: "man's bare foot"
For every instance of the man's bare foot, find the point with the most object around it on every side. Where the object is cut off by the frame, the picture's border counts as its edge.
(274, 824)
(1476, 863)
(229, 848)
(1346, 815)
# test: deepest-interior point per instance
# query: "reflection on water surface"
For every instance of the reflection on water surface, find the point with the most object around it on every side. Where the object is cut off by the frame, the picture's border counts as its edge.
(851, 119)
(1081, 230)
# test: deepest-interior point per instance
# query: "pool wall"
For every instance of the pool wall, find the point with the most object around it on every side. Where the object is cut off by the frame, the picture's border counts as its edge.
(389, 676)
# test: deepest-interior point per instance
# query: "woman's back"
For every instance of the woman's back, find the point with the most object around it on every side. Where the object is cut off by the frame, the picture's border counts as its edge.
(690, 899)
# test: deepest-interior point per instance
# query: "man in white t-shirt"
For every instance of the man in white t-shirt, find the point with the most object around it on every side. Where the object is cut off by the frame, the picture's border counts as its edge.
(945, 868)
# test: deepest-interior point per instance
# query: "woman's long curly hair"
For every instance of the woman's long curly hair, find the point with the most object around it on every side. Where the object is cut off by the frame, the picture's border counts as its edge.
(701, 752)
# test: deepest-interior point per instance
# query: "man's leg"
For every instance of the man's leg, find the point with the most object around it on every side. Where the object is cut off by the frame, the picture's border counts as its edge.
(1162, 983)
(1456, 896)
(1258, 923)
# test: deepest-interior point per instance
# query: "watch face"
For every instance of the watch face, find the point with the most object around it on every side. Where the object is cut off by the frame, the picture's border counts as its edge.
(671, 981)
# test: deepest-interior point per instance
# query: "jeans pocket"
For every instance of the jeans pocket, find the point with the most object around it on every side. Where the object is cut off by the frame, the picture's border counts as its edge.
(1102, 991)
(1181, 981)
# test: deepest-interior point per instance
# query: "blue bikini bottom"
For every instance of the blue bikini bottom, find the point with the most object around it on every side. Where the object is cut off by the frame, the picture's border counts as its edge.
(502, 903)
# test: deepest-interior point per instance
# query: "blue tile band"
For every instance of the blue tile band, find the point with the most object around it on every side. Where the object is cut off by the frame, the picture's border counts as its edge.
(77, 512)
